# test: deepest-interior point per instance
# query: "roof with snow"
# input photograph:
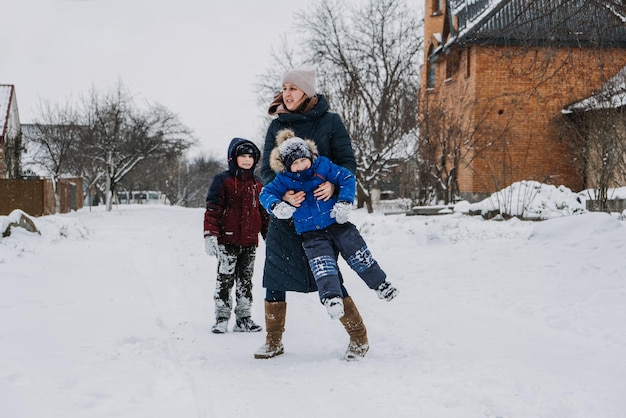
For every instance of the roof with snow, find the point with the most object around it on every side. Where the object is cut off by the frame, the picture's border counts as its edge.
(612, 95)
(6, 91)
(555, 22)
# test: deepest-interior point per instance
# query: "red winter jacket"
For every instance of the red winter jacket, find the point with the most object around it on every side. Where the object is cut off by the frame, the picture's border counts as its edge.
(233, 212)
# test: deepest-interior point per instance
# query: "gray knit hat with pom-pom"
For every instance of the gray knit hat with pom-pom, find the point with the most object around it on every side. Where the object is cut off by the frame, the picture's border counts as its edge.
(293, 149)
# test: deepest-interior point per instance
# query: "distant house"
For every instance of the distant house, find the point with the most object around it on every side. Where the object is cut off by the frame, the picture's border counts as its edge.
(31, 192)
(599, 123)
(148, 197)
(498, 74)
(612, 95)
(10, 133)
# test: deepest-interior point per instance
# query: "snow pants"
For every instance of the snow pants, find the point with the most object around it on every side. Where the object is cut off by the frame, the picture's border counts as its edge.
(235, 266)
(322, 248)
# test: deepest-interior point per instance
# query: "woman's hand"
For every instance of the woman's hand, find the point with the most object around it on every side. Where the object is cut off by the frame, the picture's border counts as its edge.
(293, 198)
(324, 191)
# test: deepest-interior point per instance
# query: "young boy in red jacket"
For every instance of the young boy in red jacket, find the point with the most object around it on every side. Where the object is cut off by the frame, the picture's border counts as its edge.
(232, 222)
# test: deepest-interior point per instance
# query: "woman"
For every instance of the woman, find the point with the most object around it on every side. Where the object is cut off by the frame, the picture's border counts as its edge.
(299, 108)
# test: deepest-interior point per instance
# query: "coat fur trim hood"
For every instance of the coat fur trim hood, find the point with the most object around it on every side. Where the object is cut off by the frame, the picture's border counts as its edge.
(276, 163)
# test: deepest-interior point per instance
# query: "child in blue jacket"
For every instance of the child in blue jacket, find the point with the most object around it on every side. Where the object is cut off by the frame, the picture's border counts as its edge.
(323, 225)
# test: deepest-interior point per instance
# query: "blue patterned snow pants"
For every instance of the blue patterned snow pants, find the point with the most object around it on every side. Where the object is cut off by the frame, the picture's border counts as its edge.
(322, 248)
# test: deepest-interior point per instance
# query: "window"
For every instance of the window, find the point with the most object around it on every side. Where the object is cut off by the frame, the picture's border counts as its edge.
(437, 6)
(453, 62)
(431, 70)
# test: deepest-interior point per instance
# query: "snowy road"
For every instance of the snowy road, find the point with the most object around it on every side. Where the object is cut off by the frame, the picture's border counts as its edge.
(109, 315)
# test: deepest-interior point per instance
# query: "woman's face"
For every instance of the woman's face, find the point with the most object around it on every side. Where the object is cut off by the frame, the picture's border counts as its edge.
(292, 96)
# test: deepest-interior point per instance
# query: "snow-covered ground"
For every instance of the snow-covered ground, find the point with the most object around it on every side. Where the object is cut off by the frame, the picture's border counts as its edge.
(108, 314)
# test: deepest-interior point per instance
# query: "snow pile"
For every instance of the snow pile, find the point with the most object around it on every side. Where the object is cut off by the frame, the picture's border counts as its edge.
(531, 200)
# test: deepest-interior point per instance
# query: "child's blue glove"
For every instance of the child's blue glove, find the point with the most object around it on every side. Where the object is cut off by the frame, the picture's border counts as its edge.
(283, 210)
(341, 211)
(210, 245)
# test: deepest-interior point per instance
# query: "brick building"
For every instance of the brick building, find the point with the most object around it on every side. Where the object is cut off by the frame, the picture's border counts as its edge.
(498, 74)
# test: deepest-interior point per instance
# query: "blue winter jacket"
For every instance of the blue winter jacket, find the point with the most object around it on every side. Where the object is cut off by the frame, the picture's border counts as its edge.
(312, 214)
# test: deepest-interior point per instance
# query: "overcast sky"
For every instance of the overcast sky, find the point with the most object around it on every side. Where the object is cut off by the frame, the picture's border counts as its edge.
(198, 58)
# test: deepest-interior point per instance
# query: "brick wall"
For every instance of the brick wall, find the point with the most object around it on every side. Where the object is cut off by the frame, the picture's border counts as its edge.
(36, 196)
(70, 194)
(519, 97)
(513, 97)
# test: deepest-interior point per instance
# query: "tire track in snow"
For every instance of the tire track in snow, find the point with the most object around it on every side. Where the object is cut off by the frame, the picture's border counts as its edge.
(172, 282)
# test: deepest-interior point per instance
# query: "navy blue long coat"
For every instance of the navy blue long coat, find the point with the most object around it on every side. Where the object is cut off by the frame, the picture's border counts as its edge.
(286, 266)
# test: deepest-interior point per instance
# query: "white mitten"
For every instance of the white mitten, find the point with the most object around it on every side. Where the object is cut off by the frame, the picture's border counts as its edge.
(210, 245)
(283, 210)
(341, 212)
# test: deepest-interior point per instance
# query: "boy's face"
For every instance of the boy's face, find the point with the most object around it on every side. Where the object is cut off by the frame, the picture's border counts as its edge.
(245, 161)
(300, 164)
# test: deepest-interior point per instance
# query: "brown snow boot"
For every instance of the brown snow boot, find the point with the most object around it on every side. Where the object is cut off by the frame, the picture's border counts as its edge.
(275, 313)
(353, 323)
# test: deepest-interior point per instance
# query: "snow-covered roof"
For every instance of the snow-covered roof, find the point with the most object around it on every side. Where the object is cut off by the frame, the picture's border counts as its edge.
(612, 95)
(561, 22)
(470, 15)
(614, 9)
(6, 92)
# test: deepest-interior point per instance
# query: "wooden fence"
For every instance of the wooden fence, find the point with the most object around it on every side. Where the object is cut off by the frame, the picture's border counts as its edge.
(36, 196)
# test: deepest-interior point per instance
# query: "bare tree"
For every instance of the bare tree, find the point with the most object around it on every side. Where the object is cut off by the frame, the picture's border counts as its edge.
(184, 181)
(617, 6)
(367, 61)
(597, 140)
(120, 135)
(443, 136)
(195, 177)
(450, 129)
(53, 141)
